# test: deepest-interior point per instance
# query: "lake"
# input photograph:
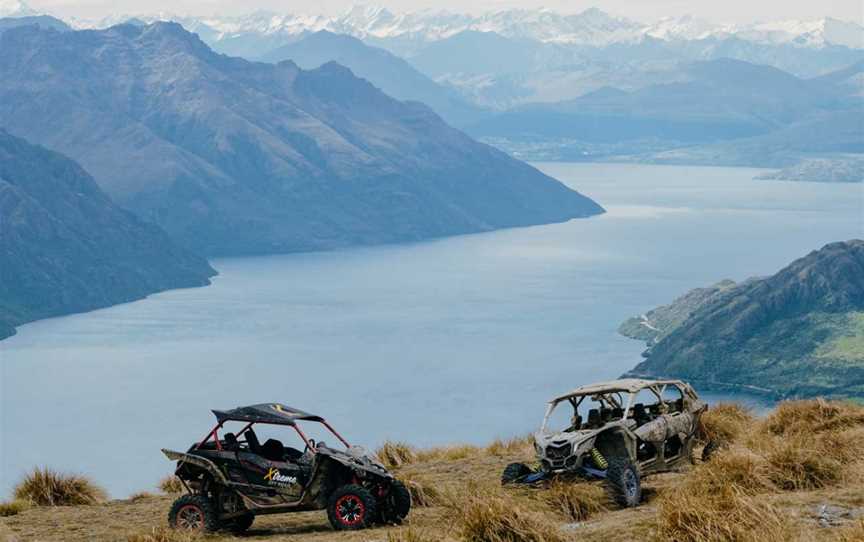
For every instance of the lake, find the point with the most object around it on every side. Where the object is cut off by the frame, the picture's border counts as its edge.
(453, 340)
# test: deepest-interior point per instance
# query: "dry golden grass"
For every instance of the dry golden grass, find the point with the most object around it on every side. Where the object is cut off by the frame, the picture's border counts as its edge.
(170, 485)
(726, 422)
(395, 454)
(816, 415)
(12, 508)
(411, 534)
(486, 513)
(850, 533)
(453, 452)
(140, 496)
(688, 513)
(577, 501)
(511, 446)
(738, 466)
(163, 534)
(424, 491)
(45, 487)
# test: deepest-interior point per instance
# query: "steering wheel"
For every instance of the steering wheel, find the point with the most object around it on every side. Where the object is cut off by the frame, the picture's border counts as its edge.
(309, 445)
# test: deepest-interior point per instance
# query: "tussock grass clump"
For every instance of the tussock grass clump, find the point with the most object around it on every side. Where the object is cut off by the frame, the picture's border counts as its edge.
(12, 508)
(726, 422)
(577, 501)
(804, 461)
(423, 492)
(739, 467)
(516, 445)
(163, 534)
(45, 487)
(689, 514)
(487, 514)
(816, 415)
(395, 454)
(171, 484)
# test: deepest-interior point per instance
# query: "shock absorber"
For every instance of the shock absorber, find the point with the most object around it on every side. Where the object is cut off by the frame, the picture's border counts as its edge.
(598, 459)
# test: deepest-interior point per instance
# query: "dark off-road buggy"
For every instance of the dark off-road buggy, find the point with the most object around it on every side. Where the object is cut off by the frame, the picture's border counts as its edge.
(618, 431)
(232, 479)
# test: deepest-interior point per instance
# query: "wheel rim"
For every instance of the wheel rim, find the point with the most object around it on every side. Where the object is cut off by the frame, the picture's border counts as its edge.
(190, 518)
(350, 510)
(630, 483)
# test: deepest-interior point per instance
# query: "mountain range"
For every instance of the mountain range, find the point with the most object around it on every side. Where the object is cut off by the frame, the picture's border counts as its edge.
(237, 157)
(592, 27)
(799, 332)
(393, 75)
(66, 247)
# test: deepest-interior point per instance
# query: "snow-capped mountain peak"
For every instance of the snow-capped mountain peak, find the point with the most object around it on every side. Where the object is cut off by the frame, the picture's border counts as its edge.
(15, 8)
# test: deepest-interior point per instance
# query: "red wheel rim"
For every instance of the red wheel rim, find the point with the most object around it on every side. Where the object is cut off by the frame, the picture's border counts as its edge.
(350, 510)
(190, 517)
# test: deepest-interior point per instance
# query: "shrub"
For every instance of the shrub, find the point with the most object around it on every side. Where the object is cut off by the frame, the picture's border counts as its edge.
(577, 501)
(163, 534)
(171, 484)
(487, 515)
(12, 508)
(395, 454)
(726, 422)
(44, 487)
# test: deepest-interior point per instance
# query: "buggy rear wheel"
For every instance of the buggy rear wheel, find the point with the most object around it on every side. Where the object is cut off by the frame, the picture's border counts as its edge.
(514, 472)
(351, 507)
(193, 513)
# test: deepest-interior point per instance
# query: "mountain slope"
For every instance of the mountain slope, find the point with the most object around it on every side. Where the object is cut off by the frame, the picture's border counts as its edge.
(235, 157)
(799, 332)
(386, 71)
(65, 247)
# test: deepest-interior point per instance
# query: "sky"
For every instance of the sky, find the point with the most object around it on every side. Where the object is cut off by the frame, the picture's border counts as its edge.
(647, 10)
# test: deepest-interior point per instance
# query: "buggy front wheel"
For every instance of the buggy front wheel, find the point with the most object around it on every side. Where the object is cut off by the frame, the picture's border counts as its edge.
(351, 507)
(394, 507)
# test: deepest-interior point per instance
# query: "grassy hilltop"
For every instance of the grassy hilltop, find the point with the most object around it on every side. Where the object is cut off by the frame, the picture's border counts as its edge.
(795, 475)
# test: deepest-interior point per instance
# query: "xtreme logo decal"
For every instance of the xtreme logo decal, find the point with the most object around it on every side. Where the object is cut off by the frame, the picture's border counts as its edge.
(276, 478)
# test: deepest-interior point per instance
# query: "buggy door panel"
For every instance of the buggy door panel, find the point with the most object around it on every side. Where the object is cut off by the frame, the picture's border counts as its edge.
(653, 431)
(285, 479)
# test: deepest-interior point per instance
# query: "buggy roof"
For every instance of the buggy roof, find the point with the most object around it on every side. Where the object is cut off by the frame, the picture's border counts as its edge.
(629, 385)
(275, 413)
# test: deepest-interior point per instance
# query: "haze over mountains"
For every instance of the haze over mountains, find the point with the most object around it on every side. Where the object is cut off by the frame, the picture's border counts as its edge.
(543, 85)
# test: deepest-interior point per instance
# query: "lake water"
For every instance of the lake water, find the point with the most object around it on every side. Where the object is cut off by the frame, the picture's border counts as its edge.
(453, 340)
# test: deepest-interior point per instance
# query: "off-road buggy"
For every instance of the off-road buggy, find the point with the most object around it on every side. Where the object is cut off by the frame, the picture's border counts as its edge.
(232, 478)
(619, 431)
